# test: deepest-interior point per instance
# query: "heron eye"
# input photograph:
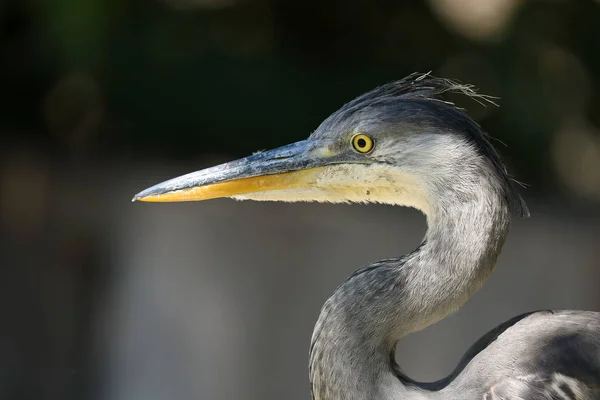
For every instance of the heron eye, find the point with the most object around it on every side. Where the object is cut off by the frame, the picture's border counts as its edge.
(362, 143)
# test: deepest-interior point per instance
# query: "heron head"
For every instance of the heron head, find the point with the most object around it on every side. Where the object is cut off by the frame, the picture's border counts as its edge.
(398, 144)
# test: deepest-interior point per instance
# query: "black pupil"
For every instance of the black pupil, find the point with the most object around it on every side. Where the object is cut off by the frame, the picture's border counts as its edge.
(361, 143)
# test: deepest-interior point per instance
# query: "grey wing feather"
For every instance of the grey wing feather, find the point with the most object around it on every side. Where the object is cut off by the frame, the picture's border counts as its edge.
(542, 387)
(561, 361)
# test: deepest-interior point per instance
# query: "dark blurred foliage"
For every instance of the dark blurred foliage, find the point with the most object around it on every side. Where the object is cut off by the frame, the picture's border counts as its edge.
(185, 78)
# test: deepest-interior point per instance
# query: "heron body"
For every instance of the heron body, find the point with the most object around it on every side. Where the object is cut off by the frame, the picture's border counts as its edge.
(401, 144)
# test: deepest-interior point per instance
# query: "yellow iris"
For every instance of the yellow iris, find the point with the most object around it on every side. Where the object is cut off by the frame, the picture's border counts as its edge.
(362, 143)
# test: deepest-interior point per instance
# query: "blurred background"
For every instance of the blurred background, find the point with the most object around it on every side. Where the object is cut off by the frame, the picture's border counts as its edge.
(104, 299)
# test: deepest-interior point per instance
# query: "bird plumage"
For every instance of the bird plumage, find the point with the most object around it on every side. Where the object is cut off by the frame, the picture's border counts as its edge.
(523, 358)
(538, 355)
(430, 155)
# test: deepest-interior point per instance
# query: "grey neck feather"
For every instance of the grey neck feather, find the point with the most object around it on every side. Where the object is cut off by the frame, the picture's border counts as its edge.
(355, 336)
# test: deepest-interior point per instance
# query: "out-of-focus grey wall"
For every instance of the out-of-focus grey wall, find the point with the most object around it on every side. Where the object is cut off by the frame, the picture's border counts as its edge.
(104, 299)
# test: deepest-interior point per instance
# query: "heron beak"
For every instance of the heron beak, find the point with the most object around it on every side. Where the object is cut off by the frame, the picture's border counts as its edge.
(295, 166)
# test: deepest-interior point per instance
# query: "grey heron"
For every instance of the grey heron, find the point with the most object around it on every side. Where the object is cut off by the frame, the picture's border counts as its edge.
(403, 144)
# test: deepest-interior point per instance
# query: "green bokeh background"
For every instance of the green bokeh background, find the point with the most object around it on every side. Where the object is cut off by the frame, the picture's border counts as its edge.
(184, 79)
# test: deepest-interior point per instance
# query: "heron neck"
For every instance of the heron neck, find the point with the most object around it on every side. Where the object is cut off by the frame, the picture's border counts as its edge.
(354, 339)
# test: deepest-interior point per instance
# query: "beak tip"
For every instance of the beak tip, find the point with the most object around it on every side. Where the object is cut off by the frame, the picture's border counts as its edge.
(139, 197)
(152, 193)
